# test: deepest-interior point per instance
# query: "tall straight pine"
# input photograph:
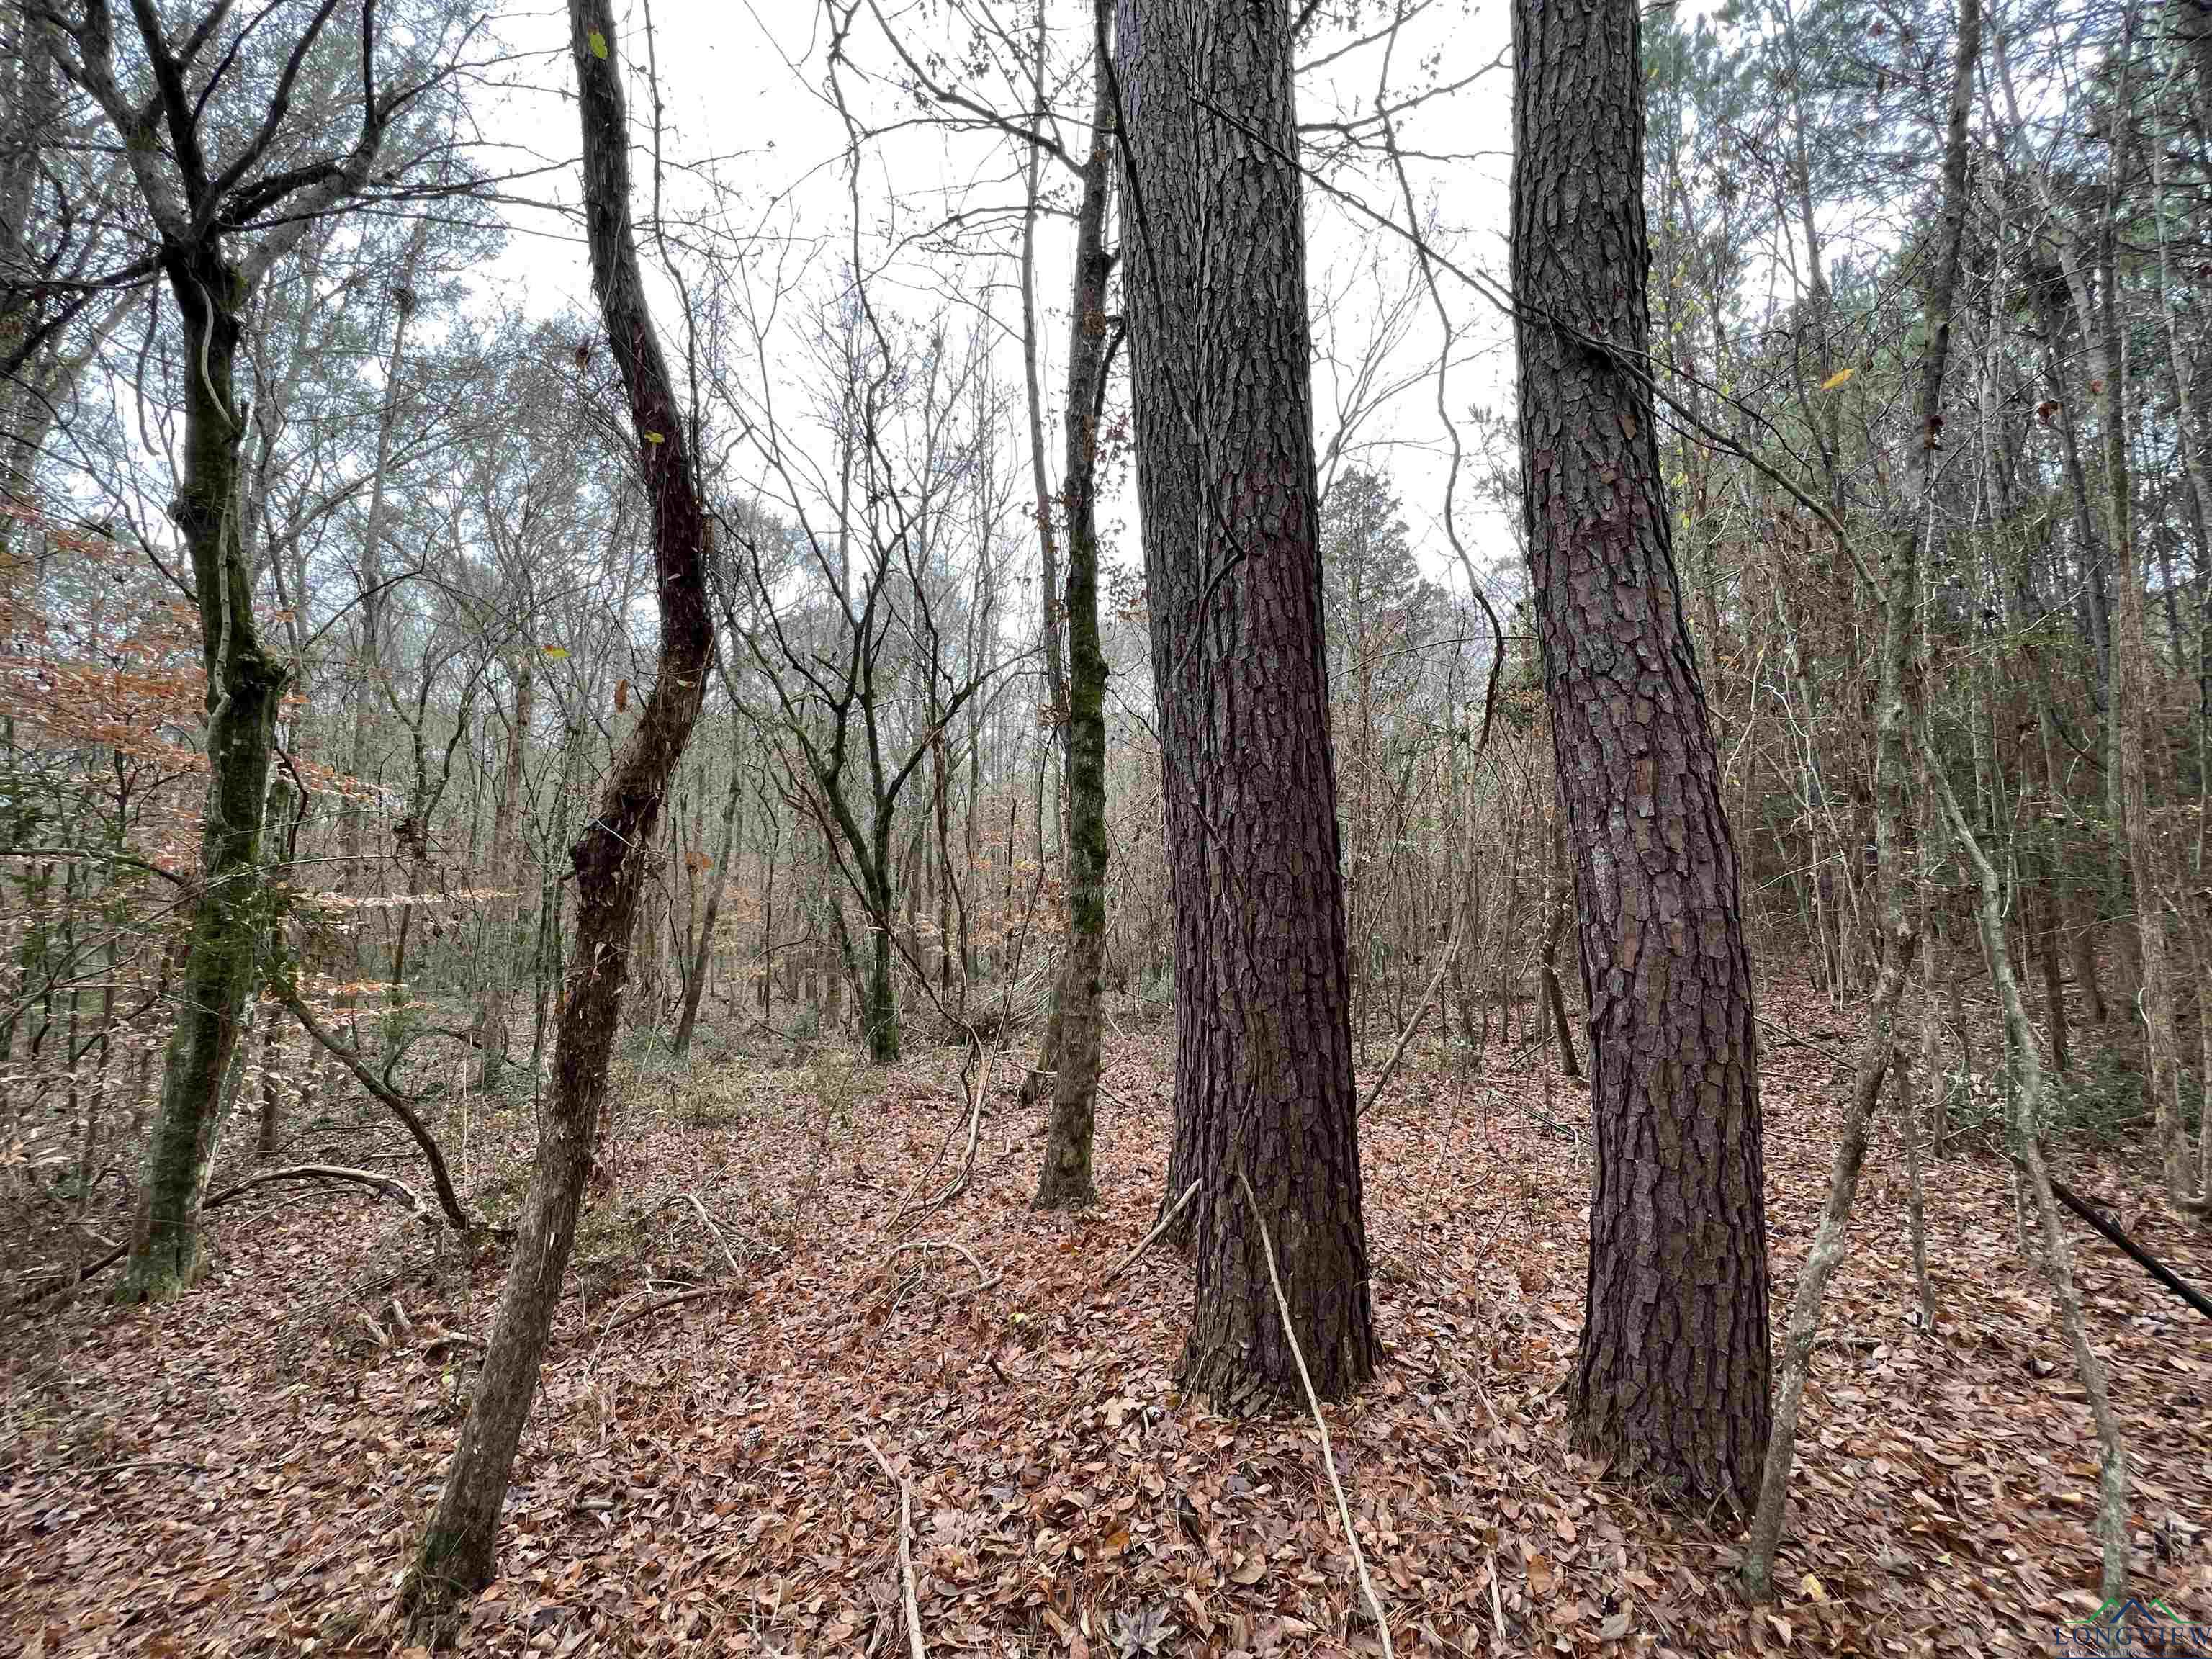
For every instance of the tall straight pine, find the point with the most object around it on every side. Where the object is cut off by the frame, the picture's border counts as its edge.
(1672, 1381)
(1214, 268)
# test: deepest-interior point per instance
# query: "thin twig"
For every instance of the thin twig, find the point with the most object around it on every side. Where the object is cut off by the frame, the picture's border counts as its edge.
(707, 1222)
(1145, 1244)
(58, 1471)
(1420, 1013)
(906, 1549)
(1313, 1404)
(984, 1280)
(612, 1326)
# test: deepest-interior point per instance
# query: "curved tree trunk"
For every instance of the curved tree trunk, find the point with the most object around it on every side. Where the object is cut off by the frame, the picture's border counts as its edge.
(1221, 366)
(243, 685)
(459, 1548)
(1672, 1381)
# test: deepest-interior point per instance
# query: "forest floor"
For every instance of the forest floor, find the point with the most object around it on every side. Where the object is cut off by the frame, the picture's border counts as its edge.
(246, 1471)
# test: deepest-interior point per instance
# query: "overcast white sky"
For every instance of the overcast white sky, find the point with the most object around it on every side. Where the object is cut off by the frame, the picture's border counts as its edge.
(743, 89)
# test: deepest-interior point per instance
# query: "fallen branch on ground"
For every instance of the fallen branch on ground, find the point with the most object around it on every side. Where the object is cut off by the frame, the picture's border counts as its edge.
(1146, 1242)
(705, 1220)
(103, 1471)
(387, 1185)
(391, 1101)
(665, 1302)
(905, 1549)
(2142, 1258)
(984, 1281)
(1313, 1404)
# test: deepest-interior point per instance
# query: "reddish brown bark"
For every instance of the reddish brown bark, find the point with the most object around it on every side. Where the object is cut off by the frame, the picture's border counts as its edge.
(1221, 354)
(1672, 1381)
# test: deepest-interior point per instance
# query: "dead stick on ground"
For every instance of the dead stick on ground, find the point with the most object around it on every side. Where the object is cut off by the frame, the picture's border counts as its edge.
(1145, 1244)
(100, 1472)
(707, 1222)
(1313, 1403)
(906, 1549)
(388, 1186)
(614, 1325)
(984, 1281)
(1496, 1612)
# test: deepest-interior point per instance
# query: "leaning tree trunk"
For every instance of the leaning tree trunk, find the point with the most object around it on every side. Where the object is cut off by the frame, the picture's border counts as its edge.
(230, 912)
(460, 1549)
(1221, 355)
(1672, 1381)
(1902, 561)
(1065, 1181)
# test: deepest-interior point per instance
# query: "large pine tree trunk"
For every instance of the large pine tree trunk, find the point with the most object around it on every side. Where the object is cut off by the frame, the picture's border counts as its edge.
(1066, 1183)
(1221, 351)
(460, 1549)
(1672, 1381)
(230, 911)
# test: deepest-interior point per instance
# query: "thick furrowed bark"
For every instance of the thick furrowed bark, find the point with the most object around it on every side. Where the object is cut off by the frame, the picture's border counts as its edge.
(1226, 470)
(1671, 1383)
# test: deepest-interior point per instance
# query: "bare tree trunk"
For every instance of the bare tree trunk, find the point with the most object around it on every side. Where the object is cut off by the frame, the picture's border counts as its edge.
(1555, 916)
(367, 663)
(1672, 1381)
(245, 684)
(1226, 468)
(1055, 653)
(702, 949)
(2026, 1103)
(459, 1548)
(1900, 600)
(507, 866)
(1065, 1181)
